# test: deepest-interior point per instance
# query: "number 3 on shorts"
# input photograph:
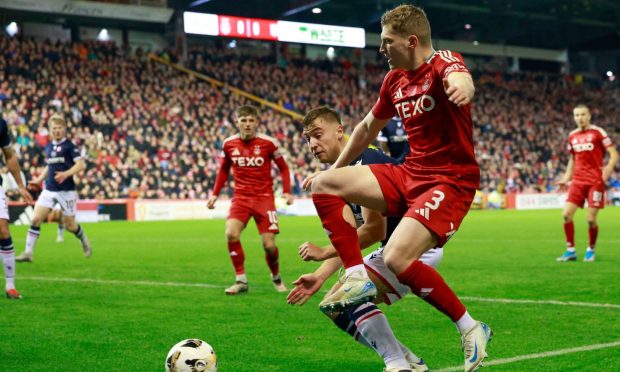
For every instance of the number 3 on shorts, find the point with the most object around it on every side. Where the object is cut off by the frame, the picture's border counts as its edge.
(436, 200)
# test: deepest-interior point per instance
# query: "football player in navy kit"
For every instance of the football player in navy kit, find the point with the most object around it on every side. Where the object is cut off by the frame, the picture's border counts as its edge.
(63, 162)
(393, 139)
(366, 323)
(6, 243)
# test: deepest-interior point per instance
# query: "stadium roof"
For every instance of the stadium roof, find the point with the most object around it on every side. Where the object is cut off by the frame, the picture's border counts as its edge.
(553, 24)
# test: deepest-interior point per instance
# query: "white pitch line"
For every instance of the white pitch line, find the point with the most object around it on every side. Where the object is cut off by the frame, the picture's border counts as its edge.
(540, 302)
(121, 282)
(546, 354)
(207, 285)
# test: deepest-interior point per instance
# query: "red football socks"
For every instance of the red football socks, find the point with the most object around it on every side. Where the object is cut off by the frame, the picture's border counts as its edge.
(426, 283)
(593, 234)
(569, 231)
(342, 235)
(272, 261)
(237, 256)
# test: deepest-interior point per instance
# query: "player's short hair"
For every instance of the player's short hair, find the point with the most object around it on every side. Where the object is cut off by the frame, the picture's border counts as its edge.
(246, 110)
(57, 119)
(409, 20)
(582, 106)
(319, 112)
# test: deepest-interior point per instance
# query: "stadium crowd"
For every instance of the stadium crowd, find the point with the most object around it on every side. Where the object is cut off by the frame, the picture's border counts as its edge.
(149, 131)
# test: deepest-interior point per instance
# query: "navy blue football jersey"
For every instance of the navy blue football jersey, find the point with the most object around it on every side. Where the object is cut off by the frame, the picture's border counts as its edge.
(372, 156)
(60, 156)
(5, 138)
(395, 136)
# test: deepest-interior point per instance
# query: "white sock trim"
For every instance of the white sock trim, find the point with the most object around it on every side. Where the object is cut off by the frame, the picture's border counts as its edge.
(357, 268)
(465, 323)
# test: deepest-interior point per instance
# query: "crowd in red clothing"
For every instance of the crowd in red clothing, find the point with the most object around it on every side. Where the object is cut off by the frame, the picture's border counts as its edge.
(148, 131)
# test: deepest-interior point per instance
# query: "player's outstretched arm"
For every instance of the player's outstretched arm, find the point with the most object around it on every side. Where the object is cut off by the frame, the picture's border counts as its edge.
(373, 230)
(13, 164)
(613, 159)
(363, 135)
(309, 284)
(459, 88)
(39, 179)
(562, 184)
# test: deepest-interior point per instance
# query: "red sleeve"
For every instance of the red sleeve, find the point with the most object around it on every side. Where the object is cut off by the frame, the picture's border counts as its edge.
(569, 147)
(384, 107)
(222, 175)
(605, 140)
(284, 173)
(448, 62)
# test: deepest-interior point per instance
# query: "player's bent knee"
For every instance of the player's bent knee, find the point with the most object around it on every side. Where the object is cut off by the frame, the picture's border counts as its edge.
(269, 247)
(4, 230)
(325, 184)
(71, 225)
(232, 238)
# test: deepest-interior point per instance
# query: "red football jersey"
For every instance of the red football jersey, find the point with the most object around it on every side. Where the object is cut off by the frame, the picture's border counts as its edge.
(251, 164)
(439, 132)
(588, 150)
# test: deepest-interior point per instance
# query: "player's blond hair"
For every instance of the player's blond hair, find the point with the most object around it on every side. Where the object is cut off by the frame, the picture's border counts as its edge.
(582, 106)
(319, 112)
(246, 110)
(409, 20)
(57, 119)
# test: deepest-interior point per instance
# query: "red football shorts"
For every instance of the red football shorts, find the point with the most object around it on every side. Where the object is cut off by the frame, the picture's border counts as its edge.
(439, 202)
(262, 209)
(594, 193)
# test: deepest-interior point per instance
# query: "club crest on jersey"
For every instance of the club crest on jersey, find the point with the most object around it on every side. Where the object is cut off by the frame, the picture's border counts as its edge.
(257, 150)
(427, 82)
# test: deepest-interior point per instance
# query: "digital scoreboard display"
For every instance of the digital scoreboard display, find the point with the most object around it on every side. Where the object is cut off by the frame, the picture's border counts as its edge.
(267, 29)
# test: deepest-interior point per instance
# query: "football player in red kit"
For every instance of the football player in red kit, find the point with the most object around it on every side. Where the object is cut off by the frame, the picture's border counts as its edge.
(250, 155)
(433, 189)
(587, 145)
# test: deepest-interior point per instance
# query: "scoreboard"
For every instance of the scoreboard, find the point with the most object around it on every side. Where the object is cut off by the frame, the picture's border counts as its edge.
(274, 30)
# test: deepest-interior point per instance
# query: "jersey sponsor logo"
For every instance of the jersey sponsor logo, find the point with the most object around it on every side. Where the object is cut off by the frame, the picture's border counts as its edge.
(56, 160)
(248, 161)
(580, 147)
(414, 107)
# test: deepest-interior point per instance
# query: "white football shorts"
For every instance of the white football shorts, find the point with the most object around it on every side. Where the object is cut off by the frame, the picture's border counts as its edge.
(4, 207)
(66, 199)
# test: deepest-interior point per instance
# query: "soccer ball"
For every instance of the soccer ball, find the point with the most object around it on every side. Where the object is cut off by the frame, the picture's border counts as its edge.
(191, 355)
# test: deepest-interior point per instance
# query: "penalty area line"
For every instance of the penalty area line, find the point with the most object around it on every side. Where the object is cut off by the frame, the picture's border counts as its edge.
(546, 354)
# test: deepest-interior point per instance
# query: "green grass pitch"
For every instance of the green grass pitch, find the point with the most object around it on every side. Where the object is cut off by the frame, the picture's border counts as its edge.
(150, 285)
